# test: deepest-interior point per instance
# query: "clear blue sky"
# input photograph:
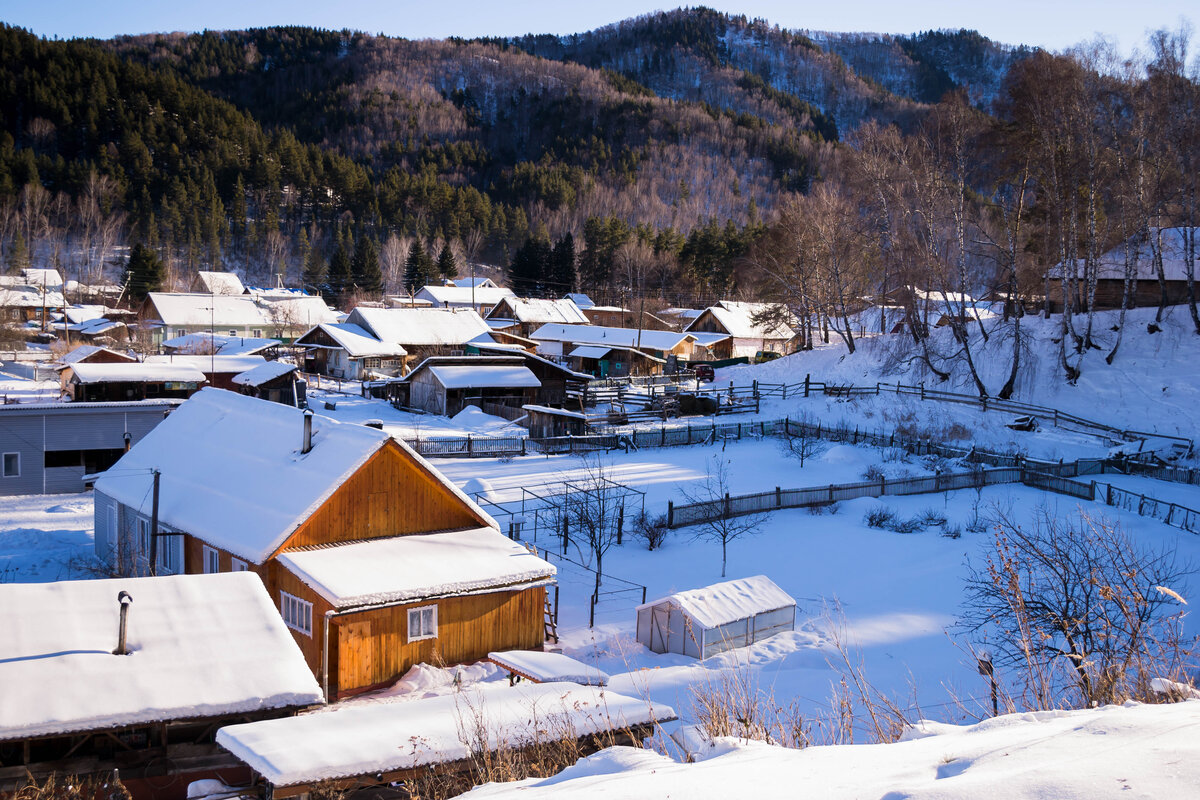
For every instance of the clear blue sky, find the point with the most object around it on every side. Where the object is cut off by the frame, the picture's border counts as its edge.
(1054, 24)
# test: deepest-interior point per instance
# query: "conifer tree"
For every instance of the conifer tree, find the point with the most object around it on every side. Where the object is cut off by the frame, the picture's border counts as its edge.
(368, 277)
(341, 276)
(315, 270)
(447, 264)
(562, 265)
(418, 268)
(144, 271)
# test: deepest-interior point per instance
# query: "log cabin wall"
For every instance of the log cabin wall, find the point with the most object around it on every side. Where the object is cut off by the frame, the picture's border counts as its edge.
(391, 495)
(278, 580)
(371, 648)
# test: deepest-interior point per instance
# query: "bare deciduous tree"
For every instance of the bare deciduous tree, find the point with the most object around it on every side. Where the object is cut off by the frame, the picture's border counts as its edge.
(723, 527)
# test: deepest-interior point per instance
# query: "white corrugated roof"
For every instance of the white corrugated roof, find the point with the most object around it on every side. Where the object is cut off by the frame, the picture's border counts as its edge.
(722, 603)
(737, 319)
(356, 342)
(202, 646)
(498, 376)
(264, 373)
(137, 373)
(463, 295)
(220, 282)
(616, 337)
(420, 326)
(210, 364)
(417, 567)
(590, 351)
(539, 311)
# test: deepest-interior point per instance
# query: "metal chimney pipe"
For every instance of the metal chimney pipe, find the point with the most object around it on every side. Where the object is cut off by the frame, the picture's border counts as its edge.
(308, 417)
(128, 440)
(125, 600)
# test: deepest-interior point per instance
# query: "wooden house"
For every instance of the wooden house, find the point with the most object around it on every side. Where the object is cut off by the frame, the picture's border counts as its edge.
(559, 383)
(31, 296)
(525, 315)
(447, 384)
(106, 383)
(200, 651)
(1110, 272)
(606, 352)
(374, 559)
(423, 332)
(745, 324)
(89, 354)
(346, 351)
(249, 316)
(218, 370)
(276, 381)
(544, 422)
(207, 282)
(478, 298)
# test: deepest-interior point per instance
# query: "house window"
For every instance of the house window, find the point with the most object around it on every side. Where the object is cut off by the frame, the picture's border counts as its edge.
(12, 465)
(257, 334)
(297, 613)
(422, 623)
(168, 560)
(237, 565)
(143, 537)
(212, 560)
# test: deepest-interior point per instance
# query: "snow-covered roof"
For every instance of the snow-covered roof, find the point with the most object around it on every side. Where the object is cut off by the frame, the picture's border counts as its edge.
(232, 471)
(264, 373)
(1111, 265)
(22, 296)
(539, 311)
(420, 326)
(591, 351)
(619, 337)
(476, 282)
(560, 412)
(500, 376)
(137, 373)
(205, 342)
(543, 667)
(48, 278)
(737, 319)
(97, 327)
(578, 298)
(202, 646)
(417, 567)
(463, 295)
(355, 341)
(219, 283)
(373, 738)
(292, 311)
(729, 601)
(195, 309)
(211, 364)
(86, 351)
(82, 313)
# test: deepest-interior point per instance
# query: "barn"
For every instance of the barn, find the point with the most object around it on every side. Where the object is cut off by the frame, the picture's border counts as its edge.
(374, 559)
(707, 621)
(202, 651)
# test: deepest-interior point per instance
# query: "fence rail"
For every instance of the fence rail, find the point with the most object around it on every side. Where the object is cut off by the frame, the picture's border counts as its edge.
(1171, 513)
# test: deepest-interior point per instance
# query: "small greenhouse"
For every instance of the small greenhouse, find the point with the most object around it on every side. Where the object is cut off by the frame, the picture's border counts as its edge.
(703, 622)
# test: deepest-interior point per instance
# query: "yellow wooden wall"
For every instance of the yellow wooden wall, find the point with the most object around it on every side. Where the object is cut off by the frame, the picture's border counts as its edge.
(392, 494)
(372, 648)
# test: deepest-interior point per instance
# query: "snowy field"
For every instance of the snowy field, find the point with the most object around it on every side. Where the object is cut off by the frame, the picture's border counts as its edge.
(46, 537)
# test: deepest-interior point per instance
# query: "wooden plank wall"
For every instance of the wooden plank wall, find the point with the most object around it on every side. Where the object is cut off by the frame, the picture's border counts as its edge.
(390, 495)
(372, 648)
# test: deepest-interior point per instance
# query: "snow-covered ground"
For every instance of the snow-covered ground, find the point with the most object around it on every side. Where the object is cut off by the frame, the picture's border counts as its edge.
(405, 424)
(1142, 751)
(46, 537)
(16, 389)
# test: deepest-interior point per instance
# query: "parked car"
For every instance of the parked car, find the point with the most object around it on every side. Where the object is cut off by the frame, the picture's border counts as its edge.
(763, 356)
(705, 372)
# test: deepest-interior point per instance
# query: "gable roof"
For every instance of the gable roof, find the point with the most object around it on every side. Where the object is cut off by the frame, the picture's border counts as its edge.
(578, 298)
(294, 311)
(219, 282)
(203, 342)
(601, 336)
(463, 295)
(418, 567)
(202, 310)
(737, 320)
(85, 351)
(232, 473)
(354, 340)
(496, 376)
(1111, 265)
(537, 310)
(42, 278)
(420, 326)
(202, 646)
(477, 282)
(729, 601)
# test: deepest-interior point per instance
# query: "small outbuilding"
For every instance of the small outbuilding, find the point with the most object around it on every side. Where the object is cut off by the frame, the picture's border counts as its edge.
(446, 384)
(707, 621)
(275, 381)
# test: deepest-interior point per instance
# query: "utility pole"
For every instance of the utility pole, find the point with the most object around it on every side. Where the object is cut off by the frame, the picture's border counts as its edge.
(154, 526)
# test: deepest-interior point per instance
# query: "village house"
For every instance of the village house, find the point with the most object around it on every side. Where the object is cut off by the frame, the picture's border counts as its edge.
(275, 381)
(374, 559)
(47, 448)
(238, 316)
(447, 384)
(218, 370)
(137, 674)
(1110, 273)
(478, 298)
(207, 282)
(106, 383)
(560, 383)
(346, 351)
(423, 332)
(33, 295)
(523, 316)
(477, 282)
(741, 321)
(615, 352)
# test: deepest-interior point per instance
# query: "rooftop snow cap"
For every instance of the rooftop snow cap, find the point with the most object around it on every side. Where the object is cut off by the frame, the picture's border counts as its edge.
(124, 599)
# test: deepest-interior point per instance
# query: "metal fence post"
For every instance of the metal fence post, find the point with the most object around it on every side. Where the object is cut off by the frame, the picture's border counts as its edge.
(670, 513)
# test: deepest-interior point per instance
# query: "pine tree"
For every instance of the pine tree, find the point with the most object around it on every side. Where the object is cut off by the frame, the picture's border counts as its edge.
(562, 265)
(530, 267)
(18, 254)
(144, 271)
(368, 277)
(341, 277)
(315, 270)
(418, 268)
(447, 264)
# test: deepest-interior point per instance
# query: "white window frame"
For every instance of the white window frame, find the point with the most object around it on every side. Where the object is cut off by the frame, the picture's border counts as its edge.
(211, 559)
(4, 465)
(142, 526)
(237, 565)
(166, 554)
(418, 612)
(297, 613)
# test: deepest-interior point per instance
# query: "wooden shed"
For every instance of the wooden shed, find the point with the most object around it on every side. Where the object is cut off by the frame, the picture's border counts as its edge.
(703, 622)
(545, 422)
(447, 384)
(99, 383)
(276, 381)
(375, 560)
